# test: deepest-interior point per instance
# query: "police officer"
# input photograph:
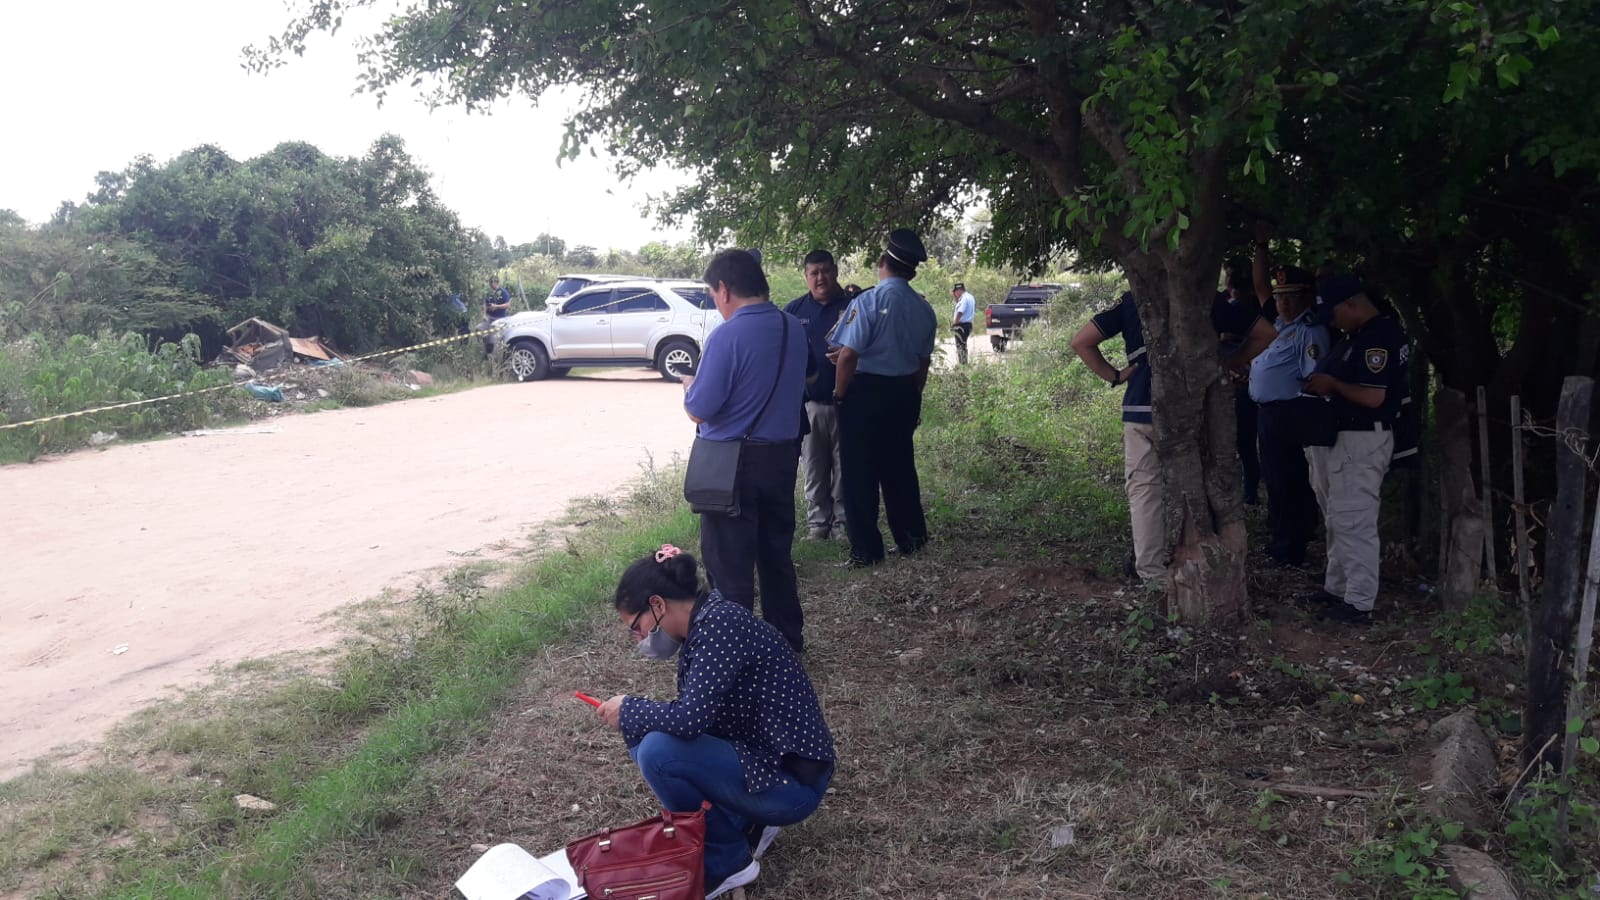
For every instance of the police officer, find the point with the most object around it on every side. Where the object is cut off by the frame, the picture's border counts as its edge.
(1364, 380)
(1141, 468)
(819, 310)
(1234, 314)
(1277, 383)
(885, 345)
(961, 321)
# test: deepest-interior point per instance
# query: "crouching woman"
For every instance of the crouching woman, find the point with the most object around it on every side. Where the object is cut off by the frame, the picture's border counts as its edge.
(746, 731)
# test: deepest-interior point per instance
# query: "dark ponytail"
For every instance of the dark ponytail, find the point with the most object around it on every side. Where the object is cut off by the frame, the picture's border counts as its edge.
(675, 577)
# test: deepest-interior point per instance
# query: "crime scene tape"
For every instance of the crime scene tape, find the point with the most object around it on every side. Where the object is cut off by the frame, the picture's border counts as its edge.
(223, 387)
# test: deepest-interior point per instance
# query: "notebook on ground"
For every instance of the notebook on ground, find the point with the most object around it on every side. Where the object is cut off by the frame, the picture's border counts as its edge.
(508, 872)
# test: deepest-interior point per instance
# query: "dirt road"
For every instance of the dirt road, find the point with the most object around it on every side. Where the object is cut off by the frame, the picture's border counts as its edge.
(136, 569)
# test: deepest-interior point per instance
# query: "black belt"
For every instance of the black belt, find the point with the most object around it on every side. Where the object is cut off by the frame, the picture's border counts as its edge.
(752, 442)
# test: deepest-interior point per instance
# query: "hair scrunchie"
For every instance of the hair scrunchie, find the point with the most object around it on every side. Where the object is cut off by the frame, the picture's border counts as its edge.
(666, 552)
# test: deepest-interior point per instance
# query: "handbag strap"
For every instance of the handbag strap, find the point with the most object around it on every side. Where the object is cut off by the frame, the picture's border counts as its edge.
(783, 357)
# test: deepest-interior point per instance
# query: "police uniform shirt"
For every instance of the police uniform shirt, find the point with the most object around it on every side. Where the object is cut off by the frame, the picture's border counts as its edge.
(1123, 319)
(1376, 356)
(736, 373)
(966, 308)
(738, 681)
(1279, 373)
(891, 327)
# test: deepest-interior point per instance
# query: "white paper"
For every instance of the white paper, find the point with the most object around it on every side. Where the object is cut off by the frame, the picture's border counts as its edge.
(508, 872)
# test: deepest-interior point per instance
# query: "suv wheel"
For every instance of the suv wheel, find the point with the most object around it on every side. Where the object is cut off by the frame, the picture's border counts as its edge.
(528, 361)
(998, 343)
(676, 357)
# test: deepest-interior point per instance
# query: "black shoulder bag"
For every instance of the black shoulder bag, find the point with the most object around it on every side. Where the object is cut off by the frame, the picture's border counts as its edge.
(711, 485)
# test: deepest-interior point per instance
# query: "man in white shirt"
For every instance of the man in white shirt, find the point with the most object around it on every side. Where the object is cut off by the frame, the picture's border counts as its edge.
(961, 324)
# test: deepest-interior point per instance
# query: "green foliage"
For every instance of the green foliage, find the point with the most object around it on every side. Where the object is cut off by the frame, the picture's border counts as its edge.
(1437, 688)
(40, 377)
(1406, 863)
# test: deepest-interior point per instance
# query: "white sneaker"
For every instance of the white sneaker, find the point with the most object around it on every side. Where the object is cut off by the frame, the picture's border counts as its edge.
(768, 835)
(737, 880)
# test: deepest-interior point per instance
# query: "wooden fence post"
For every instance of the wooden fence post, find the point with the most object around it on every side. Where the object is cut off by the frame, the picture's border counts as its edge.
(1550, 645)
(1486, 486)
(1519, 508)
(1580, 682)
(1461, 514)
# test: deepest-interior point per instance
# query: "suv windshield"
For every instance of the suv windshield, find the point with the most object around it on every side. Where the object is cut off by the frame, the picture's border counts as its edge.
(566, 287)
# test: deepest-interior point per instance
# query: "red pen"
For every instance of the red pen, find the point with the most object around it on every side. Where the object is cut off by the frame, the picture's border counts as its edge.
(586, 698)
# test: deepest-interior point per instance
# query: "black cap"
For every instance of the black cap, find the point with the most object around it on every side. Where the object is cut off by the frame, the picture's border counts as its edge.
(906, 247)
(959, 287)
(1335, 289)
(1292, 278)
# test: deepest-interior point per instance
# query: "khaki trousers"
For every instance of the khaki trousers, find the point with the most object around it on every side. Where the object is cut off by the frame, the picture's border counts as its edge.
(819, 460)
(1347, 479)
(1141, 471)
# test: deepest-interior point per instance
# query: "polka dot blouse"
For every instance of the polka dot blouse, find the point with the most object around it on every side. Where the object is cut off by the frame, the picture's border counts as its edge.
(739, 681)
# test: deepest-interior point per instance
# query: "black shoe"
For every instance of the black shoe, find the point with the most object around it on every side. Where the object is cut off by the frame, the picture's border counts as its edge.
(855, 562)
(1129, 569)
(1345, 613)
(1320, 598)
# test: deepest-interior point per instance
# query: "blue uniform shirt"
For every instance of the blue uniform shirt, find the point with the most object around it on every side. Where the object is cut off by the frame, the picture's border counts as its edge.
(819, 320)
(738, 681)
(891, 327)
(1280, 371)
(736, 374)
(966, 308)
(1375, 356)
(1123, 319)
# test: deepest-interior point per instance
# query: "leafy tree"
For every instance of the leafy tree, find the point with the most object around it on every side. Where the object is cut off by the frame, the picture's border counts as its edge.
(583, 256)
(1129, 132)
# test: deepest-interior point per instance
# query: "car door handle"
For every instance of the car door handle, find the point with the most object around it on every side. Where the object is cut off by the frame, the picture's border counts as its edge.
(600, 321)
(662, 318)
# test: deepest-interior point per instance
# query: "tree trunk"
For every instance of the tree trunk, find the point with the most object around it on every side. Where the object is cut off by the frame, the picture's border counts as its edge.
(1195, 439)
(1550, 645)
(1462, 547)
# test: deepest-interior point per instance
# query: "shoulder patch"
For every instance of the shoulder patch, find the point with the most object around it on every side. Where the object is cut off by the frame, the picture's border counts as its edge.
(1313, 351)
(851, 315)
(1377, 360)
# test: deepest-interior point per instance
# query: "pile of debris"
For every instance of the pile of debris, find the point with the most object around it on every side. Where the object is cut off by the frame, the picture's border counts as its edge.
(262, 346)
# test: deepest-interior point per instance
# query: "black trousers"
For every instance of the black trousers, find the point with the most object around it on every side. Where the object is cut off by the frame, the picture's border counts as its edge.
(1245, 432)
(876, 424)
(1292, 511)
(963, 330)
(736, 549)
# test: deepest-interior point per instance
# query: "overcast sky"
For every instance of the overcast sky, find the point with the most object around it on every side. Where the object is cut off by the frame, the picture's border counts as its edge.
(91, 85)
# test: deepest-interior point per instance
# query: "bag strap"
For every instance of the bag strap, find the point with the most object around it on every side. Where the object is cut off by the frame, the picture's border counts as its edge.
(783, 357)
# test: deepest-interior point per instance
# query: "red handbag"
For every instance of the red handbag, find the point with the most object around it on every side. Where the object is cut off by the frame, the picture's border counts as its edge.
(660, 858)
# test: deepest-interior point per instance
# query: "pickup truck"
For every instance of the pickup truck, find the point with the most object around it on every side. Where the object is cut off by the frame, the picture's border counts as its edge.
(1022, 305)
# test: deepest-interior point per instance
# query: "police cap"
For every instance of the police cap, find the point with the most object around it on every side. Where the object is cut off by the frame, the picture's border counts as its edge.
(958, 287)
(1335, 289)
(1292, 278)
(906, 247)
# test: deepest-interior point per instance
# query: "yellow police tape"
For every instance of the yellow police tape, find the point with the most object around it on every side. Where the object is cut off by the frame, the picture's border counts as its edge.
(222, 387)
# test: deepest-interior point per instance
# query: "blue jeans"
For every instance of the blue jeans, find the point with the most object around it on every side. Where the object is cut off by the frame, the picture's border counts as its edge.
(682, 772)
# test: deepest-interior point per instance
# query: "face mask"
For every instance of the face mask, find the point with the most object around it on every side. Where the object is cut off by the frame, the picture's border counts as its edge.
(658, 644)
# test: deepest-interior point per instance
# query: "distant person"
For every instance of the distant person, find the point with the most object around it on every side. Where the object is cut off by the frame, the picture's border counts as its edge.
(1234, 313)
(819, 310)
(1141, 467)
(750, 387)
(746, 731)
(961, 321)
(885, 346)
(497, 303)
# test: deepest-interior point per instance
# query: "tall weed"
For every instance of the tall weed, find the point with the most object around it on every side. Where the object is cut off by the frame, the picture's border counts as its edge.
(42, 377)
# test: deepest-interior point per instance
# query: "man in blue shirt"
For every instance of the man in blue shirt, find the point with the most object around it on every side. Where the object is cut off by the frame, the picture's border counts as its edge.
(961, 322)
(1141, 468)
(885, 343)
(819, 311)
(1234, 312)
(1277, 383)
(497, 303)
(750, 386)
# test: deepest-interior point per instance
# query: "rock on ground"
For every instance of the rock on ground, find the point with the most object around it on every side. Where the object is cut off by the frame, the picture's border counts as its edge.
(1475, 874)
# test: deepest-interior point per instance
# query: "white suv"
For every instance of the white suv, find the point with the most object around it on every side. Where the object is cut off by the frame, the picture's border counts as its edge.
(639, 322)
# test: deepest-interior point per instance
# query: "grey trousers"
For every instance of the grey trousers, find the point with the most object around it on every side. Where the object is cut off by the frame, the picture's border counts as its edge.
(1347, 478)
(819, 460)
